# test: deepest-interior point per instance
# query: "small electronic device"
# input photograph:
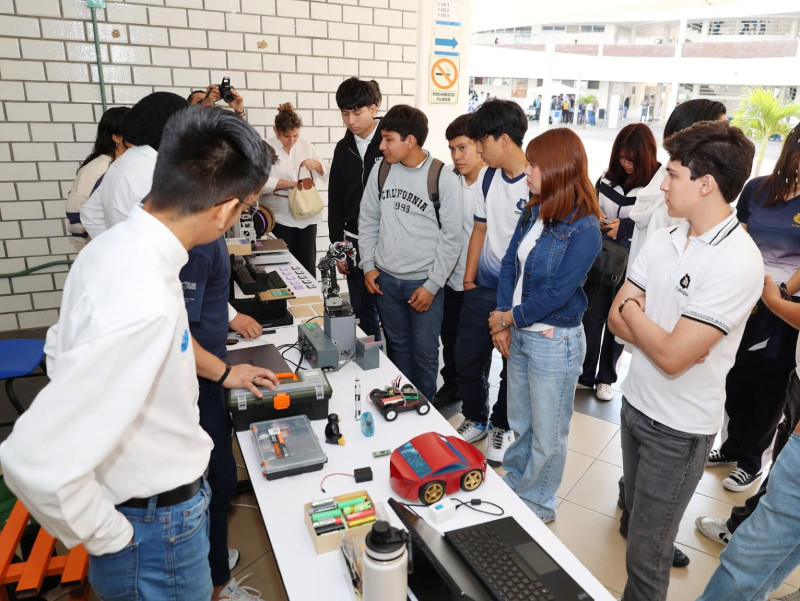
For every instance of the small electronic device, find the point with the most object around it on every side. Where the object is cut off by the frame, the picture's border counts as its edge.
(317, 348)
(225, 90)
(394, 399)
(442, 511)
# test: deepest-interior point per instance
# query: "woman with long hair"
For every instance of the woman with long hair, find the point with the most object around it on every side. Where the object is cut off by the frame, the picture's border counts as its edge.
(537, 324)
(108, 146)
(632, 165)
(294, 155)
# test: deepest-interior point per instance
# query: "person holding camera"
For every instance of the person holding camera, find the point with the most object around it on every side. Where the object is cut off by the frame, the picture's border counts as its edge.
(214, 93)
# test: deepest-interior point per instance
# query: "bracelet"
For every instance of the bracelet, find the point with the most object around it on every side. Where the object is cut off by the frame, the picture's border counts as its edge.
(625, 300)
(465, 283)
(225, 373)
(242, 114)
(502, 323)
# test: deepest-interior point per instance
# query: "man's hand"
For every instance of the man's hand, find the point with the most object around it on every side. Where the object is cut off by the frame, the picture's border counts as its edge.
(771, 293)
(238, 102)
(343, 267)
(370, 282)
(611, 228)
(470, 285)
(251, 377)
(421, 300)
(245, 325)
(502, 342)
(212, 95)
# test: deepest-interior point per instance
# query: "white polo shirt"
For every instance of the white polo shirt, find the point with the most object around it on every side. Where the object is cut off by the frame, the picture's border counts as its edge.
(715, 279)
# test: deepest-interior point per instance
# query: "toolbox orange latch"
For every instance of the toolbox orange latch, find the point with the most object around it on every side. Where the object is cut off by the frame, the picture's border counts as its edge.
(281, 401)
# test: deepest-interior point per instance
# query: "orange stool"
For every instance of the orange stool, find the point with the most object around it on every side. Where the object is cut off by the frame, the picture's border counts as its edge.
(72, 567)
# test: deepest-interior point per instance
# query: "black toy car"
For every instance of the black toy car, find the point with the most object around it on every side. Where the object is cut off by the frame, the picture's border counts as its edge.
(394, 399)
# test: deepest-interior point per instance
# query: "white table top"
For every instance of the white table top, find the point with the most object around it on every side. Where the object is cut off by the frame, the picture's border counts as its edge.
(307, 575)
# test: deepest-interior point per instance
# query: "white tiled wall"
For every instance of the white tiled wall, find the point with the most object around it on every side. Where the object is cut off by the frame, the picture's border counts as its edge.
(273, 50)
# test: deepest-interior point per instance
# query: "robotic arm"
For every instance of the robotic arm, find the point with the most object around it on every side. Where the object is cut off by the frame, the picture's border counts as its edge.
(338, 251)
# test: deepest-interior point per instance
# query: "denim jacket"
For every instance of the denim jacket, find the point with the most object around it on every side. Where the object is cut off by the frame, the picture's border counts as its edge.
(553, 274)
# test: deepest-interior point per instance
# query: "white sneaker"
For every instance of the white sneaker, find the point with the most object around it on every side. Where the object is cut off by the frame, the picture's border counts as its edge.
(580, 386)
(233, 558)
(714, 528)
(471, 431)
(234, 591)
(604, 392)
(499, 441)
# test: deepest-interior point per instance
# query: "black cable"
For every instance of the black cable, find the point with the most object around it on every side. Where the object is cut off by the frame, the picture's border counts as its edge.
(471, 504)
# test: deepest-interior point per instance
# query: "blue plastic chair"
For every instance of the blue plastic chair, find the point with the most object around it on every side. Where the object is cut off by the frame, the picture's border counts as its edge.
(18, 359)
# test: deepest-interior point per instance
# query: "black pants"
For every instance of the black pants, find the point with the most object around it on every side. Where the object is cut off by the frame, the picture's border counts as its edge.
(302, 243)
(791, 416)
(214, 419)
(602, 350)
(365, 306)
(452, 310)
(755, 392)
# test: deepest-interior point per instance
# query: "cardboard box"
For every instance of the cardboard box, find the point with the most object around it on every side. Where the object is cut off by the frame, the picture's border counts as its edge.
(329, 541)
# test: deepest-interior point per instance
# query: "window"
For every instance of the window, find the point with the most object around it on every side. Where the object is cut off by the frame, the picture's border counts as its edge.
(415, 460)
(598, 28)
(593, 85)
(573, 28)
(586, 29)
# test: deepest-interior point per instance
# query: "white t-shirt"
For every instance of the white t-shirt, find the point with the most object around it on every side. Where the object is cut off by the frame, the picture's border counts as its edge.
(500, 210)
(470, 196)
(523, 250)
(716, 279)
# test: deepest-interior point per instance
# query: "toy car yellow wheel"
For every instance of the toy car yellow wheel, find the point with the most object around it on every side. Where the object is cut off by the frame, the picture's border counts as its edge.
(431, 492)
(471, 480)
(390, 415)
(423, 408)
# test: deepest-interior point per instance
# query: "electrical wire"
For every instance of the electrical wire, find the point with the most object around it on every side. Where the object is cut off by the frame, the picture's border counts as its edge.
(321, 482)
(17, 274)
(470, 504)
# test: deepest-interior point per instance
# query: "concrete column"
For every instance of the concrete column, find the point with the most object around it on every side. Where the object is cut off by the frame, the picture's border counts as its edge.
(657, 115)
(793, 29)
(547, 85)
(696, 90)
(577, 96)
(704, 30)
(440, 115)
(672, 97)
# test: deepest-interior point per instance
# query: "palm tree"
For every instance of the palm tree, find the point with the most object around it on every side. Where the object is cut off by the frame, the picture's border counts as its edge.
(762, 115)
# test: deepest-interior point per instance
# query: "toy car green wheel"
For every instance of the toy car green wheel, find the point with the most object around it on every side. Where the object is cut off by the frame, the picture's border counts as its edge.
(471, 480)
(431, 492)
(423, 408)
(390, 415)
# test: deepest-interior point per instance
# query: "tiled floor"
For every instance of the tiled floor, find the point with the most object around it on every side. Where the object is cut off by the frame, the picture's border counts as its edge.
(587, 522)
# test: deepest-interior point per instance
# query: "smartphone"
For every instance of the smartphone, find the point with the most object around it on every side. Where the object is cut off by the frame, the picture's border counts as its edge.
(605, 221)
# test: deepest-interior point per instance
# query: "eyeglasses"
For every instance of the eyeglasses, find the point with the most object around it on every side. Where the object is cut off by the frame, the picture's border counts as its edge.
(252, 208)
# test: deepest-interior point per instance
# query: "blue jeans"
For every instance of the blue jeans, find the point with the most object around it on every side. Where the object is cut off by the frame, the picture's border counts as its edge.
(662, 467)
(168, 559)
(472, 356)
(766, 547)
(413, 337)
(364, 305)
(542, 373)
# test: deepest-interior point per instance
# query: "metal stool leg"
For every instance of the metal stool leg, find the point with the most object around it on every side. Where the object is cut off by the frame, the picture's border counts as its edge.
(13, 397)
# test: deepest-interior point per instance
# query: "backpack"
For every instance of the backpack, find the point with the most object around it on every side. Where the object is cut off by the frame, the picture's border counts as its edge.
(433, 183)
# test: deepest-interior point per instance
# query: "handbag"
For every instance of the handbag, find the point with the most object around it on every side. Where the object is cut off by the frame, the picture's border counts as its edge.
(609, 265)
(304, 199)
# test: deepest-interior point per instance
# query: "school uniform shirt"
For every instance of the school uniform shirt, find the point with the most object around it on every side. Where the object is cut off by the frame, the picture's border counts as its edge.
(716, 279)
(500, 210)
(775, 229)
(286, 168)
(470, 195)
(119, 417)
(124, 185)
(649, 213)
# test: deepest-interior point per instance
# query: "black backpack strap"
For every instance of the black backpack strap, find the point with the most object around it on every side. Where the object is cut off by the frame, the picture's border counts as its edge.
(433, 186)
(383, 173)
(487, 180)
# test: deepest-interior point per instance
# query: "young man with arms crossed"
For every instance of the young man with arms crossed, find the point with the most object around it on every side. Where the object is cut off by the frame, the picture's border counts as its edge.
(355, 155)
(111, 451)
(683, 307)
(498, 128)
(468, 165)
(408, 250)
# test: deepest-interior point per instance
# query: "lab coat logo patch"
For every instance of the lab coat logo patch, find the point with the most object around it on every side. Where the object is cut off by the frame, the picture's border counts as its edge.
(685, 281)
(185, 340)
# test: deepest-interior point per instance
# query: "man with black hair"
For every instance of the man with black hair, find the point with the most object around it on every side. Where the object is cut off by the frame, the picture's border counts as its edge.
(683, 308)
(353, 159)
(111, 453)
(410, 242)
(498, 128)
(129, 178)
(210, 96)
(467, 164)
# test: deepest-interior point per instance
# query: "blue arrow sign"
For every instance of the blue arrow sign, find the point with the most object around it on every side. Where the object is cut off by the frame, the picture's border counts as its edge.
(452, 42)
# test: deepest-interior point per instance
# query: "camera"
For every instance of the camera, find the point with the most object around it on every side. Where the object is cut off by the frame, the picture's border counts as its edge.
(225, 90)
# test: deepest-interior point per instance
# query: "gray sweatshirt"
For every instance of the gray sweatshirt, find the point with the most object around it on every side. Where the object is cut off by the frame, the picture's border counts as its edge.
(399, 233)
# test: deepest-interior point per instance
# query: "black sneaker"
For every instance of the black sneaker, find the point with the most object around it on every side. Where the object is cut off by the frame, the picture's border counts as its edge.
(716, 459)
(446, 395)
(679, 558)
(739, 480)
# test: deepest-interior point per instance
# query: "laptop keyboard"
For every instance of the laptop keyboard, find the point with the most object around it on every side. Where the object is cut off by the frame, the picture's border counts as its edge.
(497, 566)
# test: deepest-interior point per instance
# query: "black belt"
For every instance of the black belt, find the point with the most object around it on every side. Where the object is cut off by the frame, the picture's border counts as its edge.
(165, 499)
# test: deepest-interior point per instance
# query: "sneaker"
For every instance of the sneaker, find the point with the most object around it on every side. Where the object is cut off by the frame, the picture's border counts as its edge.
(234, 591)
(714, 528)
(233, 558)
(471, 431)
(739, 480)
(499, 441)
(679, 558)
(716, 459)
(604, 392)
(445, 395)
(795, 596)
(580, 386)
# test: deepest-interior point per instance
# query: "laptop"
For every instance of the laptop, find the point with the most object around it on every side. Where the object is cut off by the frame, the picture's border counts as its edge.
(263, 355)
(496, 561)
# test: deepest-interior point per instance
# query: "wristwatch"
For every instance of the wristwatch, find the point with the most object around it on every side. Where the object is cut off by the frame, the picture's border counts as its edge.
(625, 300)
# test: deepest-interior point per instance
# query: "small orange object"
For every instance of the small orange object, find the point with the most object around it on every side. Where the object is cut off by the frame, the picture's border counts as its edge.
(281, 401)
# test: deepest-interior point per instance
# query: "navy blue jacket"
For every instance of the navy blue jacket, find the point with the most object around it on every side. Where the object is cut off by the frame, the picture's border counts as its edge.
(553, 273)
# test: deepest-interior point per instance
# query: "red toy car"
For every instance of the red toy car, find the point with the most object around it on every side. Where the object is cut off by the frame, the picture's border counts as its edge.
(431, 465)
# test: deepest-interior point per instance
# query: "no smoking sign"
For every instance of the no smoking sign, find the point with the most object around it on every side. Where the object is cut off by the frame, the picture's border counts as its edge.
(444, 80)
